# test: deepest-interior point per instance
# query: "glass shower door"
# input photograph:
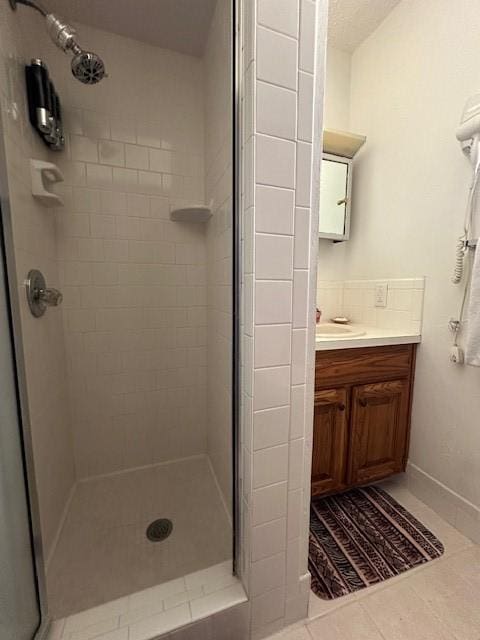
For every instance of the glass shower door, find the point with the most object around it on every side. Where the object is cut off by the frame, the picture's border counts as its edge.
(19, 611)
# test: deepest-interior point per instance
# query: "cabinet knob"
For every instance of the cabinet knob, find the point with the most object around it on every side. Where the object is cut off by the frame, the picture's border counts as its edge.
(341, 406)
(363, 402)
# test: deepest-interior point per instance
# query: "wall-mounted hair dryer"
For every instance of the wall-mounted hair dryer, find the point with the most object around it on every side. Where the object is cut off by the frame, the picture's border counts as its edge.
(468, 134)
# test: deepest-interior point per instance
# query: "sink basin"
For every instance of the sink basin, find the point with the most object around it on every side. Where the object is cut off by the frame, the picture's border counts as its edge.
(335, 331)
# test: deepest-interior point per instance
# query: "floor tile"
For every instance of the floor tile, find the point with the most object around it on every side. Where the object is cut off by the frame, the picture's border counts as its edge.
(348, 623)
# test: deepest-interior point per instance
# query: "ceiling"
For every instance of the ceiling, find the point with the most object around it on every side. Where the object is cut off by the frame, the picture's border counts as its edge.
(181, 25)
(350, 22)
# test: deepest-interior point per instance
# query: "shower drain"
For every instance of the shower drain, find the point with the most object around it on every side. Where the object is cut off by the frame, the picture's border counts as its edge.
(159, 530)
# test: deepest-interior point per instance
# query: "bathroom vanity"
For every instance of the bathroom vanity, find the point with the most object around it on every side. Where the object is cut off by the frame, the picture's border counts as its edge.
(362, 411)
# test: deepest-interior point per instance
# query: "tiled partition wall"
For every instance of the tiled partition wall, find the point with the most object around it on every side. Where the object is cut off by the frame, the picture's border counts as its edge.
(134, 282)
(278, 302)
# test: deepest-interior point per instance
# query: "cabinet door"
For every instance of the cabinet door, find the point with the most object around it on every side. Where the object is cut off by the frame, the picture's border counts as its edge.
(329, 441)
(378, 430)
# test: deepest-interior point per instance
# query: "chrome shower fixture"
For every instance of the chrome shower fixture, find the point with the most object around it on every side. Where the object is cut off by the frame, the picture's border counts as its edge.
(87, 67)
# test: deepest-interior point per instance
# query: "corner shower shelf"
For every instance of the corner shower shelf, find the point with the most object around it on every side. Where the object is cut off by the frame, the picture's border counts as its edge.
(194, 213)
(342, 143)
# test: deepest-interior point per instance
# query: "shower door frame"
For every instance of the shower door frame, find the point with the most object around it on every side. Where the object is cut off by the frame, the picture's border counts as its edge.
(13, 308)
(18, 349)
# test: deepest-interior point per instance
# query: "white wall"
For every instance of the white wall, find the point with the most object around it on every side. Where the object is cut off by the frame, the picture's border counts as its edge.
(410, 80)
(34, 244)
(218, 191)
(337, 89)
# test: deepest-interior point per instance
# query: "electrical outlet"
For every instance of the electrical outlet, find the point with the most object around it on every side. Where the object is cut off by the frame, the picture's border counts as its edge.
(381, 293)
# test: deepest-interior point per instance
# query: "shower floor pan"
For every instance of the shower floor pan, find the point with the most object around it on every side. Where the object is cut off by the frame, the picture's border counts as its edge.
(103, 552)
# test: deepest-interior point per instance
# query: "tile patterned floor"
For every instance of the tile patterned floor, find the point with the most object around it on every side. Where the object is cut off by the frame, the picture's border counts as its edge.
(103, 553)
(158, 610)
(437, 601)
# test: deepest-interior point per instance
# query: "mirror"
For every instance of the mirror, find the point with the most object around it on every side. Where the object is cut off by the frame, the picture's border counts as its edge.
(334, 222)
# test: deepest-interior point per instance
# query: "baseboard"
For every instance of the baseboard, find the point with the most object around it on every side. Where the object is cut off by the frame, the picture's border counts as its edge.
(61, 524)
(451, 506)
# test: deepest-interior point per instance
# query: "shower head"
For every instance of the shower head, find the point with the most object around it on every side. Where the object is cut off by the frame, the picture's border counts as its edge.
(87, 67)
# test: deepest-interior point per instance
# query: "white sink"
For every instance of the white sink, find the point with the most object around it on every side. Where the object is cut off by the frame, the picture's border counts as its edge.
(335, 331)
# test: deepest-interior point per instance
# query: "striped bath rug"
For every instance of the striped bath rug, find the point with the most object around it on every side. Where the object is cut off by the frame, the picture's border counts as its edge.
(361, 537)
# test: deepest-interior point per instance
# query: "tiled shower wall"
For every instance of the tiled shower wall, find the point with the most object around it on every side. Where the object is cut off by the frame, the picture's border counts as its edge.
(218, 191)
(134, 281)
(33, 241)
(279, 265)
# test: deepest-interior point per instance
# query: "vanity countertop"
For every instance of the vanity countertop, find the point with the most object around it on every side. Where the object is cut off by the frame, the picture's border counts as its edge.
(369, 337)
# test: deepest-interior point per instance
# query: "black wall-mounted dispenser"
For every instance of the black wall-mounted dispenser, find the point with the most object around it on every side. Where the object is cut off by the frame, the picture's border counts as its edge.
(44, 105)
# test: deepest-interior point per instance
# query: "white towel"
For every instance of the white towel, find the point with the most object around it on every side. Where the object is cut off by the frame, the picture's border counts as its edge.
(472, 347)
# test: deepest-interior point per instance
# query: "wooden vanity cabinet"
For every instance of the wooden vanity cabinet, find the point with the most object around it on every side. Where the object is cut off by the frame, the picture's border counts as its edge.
(361, 415)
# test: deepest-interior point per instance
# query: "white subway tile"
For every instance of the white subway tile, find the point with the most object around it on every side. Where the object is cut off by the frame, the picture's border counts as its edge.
(275, 162)
(161, 160)
(307, 36)
(268, 607)
(274, 210)
(99, 176)
(273, 302)
(271, 387)
(303, 174)
(300, 298)
(136, 157)
(305, 106)
(269, 503)
(273, 257)
(160, 623)
(297, 424)
(272, 345)
(276, 60)
(83, 149)
(295, 464)
(268, 539)
(122, 129)
(280, 15)
(149, 135)
(299, 344)
(270, 466)
(294, 518)
(215, 602)
(302, 238)
(112, 153)
(276, 111)
(96, 125)
(271, 427)
(125, 179)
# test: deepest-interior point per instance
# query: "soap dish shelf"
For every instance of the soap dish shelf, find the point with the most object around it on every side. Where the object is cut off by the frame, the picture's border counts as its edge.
(44, 176)
(193, 213)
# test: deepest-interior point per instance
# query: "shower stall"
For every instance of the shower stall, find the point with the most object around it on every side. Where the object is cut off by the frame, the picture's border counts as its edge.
(125, 344)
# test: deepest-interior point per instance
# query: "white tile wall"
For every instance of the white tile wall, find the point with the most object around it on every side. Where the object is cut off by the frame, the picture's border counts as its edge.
(355, 300)
(278, 305)
(33, 241)
(136, 289)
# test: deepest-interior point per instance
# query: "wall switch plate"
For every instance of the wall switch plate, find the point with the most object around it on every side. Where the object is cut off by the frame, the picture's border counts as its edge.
(381, 294)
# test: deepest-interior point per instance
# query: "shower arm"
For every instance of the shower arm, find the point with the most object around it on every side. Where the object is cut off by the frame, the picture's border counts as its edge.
(29, 3)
